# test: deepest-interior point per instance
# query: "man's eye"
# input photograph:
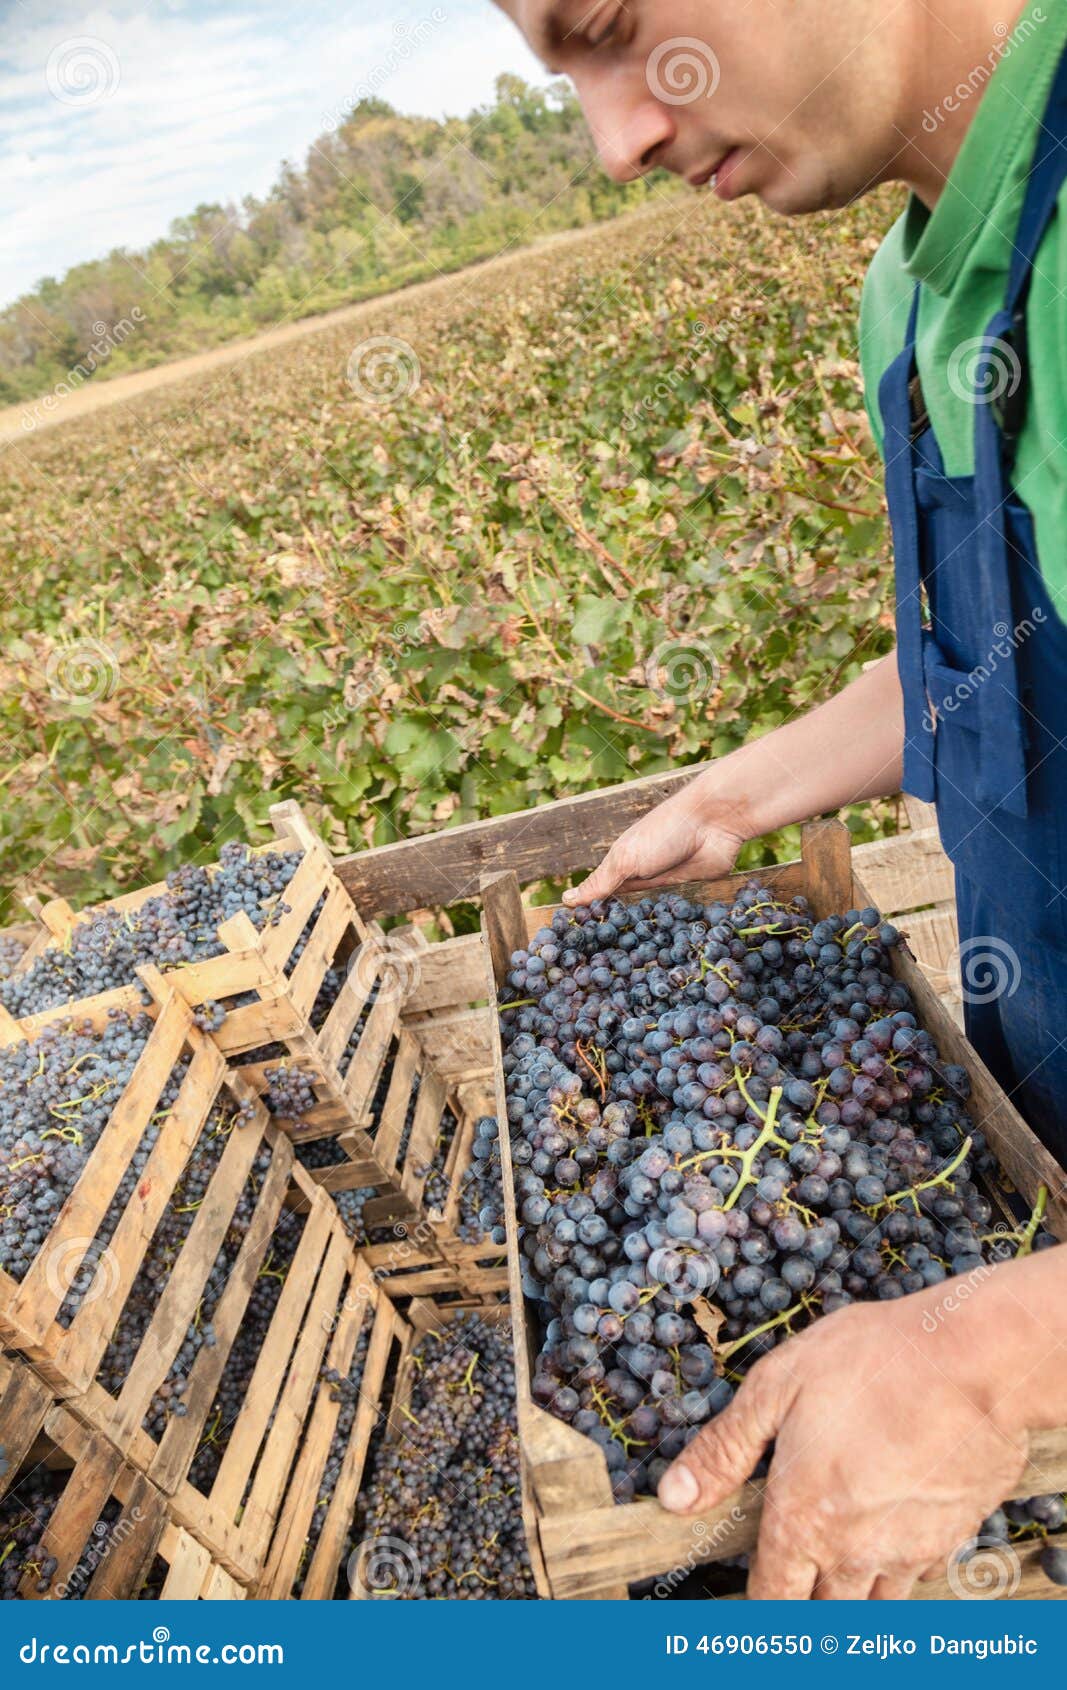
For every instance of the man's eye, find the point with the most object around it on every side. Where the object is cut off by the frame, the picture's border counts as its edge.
(604, 25)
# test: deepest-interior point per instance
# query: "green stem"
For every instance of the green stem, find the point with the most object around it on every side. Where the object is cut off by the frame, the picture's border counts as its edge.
(913, 1191)
(1026, 1242)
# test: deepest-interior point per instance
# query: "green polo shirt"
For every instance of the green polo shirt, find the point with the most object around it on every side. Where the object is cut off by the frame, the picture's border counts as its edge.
(961, 253)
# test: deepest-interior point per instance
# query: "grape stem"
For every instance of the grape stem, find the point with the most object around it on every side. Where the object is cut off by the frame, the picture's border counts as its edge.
(913, 1191)
(723, 1352)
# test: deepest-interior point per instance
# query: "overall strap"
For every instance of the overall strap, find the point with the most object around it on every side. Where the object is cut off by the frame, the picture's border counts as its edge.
(1000, 411)
(1048, 171)
(894, 398)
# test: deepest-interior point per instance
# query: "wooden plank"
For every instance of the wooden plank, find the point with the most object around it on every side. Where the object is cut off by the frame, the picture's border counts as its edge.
(283, 1439)
(457, 1045)
(503, 918)
(827, 862)
(181, 1439)
(591, 1551)
(77, 1510)
(189, 1563)
(545, 843)
(220, 1586)
(271, 1020)
(265, 1386)
(302, 1493)
(306, 979)
(364, 1070)
(499, 910)
(321, 1576)
(185, 1286)
(450, 973)
(132, 1542)
(24, 1406)
(919, 813)
(905, 872)
(42, 1291)
(77, 1355)
(311, 880)
(345, 1011)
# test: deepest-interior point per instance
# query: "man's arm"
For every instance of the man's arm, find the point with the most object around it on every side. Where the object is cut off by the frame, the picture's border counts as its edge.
(898, 1428)
(839, 753)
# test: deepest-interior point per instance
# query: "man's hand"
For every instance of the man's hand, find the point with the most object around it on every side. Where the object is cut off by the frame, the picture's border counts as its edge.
(843, 752)
(688, 837)
(892, 1444)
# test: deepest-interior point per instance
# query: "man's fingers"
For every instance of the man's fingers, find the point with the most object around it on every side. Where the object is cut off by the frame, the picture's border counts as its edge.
(604, 880)
(785, 1575)
(894, 1587)
(723, 1454)
(845, 1583)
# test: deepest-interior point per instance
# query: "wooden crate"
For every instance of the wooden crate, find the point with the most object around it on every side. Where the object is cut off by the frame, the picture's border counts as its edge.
(36, 1430)
(912, 882)
(67, 1357)
(588, 1546)
(324, 1296)
(447, 1059)
(342, 1052)
(306, 1554)
(427, 1314)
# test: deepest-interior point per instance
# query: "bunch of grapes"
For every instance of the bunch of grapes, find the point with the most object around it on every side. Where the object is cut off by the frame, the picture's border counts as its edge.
(162, 1255)
(12, 950)
(481, 1195)
(24, 1515)
(172, 927)
(245, 1351)
(56, 1097)
(448, 1486)
(344, 1389)
(324, 1153)
(1028, 1517)
(726, 1121)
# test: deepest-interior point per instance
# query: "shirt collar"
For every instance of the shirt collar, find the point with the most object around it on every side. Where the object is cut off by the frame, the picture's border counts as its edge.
(985, 184)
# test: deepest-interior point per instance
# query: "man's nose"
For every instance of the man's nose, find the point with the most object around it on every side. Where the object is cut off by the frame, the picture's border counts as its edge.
(631, 128)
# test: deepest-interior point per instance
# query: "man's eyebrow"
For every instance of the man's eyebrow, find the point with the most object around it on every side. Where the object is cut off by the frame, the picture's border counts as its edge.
(559, 25)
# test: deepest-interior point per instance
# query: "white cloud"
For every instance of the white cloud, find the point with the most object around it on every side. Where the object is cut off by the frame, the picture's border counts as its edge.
(207, 101)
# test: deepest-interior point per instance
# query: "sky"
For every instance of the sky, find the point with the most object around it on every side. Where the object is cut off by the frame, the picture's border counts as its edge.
(117, 118)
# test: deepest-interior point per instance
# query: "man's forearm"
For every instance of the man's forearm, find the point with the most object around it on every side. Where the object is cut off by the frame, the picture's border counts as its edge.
(842, 752)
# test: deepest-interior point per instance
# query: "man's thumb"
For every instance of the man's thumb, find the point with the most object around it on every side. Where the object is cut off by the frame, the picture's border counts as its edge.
(724, 1453)
(600, 884)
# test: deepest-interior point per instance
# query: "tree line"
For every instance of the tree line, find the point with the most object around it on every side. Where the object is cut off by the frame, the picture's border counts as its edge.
(382, 200)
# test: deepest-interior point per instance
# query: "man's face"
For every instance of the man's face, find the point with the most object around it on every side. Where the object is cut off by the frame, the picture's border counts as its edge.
(792, 100)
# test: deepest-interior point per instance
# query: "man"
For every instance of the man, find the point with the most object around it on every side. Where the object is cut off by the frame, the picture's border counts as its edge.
(897, 1427)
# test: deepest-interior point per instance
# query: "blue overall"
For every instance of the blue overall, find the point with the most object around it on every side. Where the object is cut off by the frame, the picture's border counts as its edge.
(983, 667)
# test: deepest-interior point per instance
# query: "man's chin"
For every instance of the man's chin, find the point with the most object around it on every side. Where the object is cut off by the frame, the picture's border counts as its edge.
(798, 194)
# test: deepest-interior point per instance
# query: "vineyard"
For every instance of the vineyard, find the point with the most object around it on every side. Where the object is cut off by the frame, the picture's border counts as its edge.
(602, 510)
